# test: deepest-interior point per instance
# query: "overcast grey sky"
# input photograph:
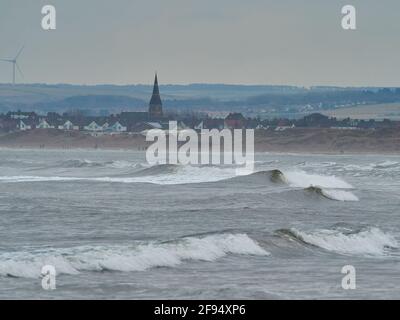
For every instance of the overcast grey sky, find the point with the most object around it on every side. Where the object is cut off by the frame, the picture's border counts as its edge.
(203, 41)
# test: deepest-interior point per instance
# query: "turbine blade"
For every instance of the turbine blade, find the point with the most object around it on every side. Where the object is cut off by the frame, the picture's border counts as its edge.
(7, 60)
(19, 52)
(20, 71)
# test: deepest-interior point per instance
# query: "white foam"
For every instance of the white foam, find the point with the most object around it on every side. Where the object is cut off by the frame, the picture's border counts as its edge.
(355, 167)
(184, 174)
(121, 164)
(29, 265)
(371, 241)
(301, 179)
(78, 163)
(117, 164)
(15, 179)
(387, 164)
(139, 257)
(384, 166)
(339, 195)
(190, 174)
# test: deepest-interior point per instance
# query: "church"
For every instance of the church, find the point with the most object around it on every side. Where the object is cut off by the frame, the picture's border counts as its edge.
(135, 120)
(155, 107)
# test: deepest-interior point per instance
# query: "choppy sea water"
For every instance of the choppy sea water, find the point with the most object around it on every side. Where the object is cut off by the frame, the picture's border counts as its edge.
(117, 228)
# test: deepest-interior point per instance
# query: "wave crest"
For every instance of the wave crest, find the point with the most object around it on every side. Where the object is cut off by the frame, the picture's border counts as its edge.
(337, 195)
(369, 241)
(261, 177)
(139, 257)
(301, 179)
(78, 163)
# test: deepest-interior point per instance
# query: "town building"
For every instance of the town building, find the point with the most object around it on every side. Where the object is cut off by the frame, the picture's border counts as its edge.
(43, 124)
(93, 127)
(25, 125)
(155, 106)
(116, 127)
(143, 127)
(19, 115)
(235, 121)
(68, 126)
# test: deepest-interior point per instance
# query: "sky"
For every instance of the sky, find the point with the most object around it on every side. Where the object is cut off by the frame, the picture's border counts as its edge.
(285, 42)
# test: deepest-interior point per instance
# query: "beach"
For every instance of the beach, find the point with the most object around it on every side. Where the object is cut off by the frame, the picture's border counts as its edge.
(296, 140)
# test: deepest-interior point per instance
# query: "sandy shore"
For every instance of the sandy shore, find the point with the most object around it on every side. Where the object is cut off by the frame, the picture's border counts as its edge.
(297, 140)
(335, 141)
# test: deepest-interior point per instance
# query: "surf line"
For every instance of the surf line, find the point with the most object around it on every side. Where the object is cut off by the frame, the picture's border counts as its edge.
(192, 147)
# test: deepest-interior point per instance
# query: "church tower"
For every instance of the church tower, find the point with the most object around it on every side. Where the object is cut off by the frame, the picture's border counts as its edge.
(155, 108)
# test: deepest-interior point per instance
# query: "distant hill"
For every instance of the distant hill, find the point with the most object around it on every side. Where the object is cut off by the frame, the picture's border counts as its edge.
(268, 101)
(93, 102)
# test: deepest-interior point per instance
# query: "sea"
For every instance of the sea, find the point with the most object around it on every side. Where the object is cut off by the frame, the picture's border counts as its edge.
(114, 227)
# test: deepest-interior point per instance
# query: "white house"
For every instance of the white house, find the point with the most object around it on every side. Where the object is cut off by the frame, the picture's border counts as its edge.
(23, 126)
(43, 124)
(93, 126)
(68, 126)
(117, 127)
(105, 126)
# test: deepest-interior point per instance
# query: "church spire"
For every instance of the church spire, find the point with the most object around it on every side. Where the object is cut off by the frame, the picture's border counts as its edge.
(155, 108)
(155, 88)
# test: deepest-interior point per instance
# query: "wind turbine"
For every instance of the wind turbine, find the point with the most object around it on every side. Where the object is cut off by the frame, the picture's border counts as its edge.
(15, 64)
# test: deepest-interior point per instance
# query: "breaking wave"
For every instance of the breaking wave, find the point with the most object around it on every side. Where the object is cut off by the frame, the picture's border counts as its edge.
(387, 164)
(262, 177)
(80, 164)
(330, 187)
(296, 179)
(160, 174)
(338, 195)
(117, 164)
(15, 179)
(369, 241)
(301, 179)
(139, 257)
(178, 174)
(383, 167)
(158, 170)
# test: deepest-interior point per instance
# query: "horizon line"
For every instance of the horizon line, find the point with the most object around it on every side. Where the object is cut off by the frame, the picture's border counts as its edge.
(193, 84)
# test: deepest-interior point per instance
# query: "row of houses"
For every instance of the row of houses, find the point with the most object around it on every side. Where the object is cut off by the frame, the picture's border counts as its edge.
(125, 122)
(140, 122)
(68, 125)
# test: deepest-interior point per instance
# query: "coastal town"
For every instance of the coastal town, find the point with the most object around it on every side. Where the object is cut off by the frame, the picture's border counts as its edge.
(140, 122)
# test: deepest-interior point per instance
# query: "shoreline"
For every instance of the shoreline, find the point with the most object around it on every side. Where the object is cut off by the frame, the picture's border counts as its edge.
(302, 141)
(272, 153)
